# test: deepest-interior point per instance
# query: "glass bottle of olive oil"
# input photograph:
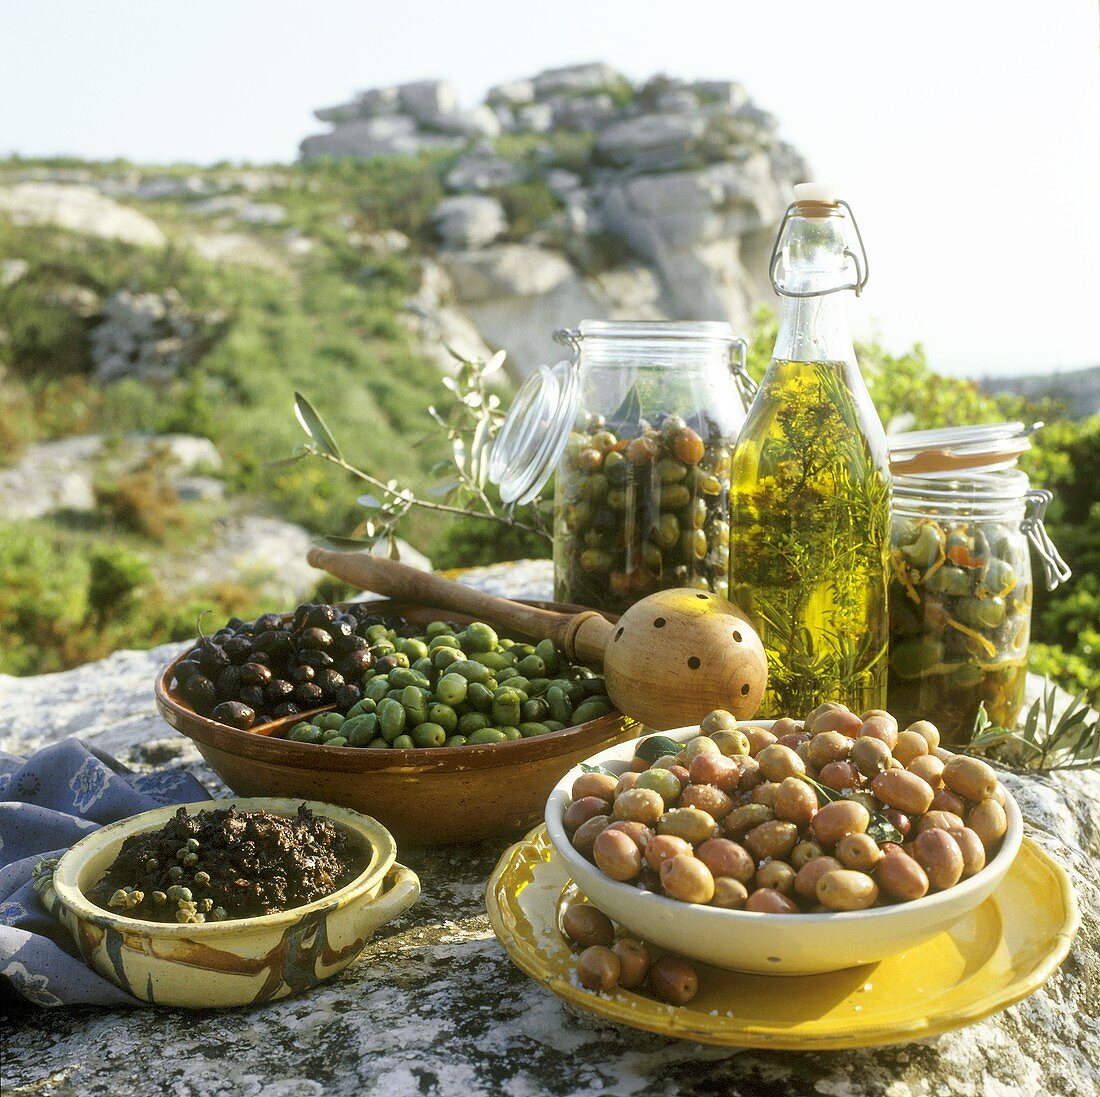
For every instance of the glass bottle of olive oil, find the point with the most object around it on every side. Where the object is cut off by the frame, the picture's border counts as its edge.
(810, 485)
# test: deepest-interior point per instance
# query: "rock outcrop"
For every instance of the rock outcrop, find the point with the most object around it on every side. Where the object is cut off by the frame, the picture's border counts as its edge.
(78, 208)
(669, 214)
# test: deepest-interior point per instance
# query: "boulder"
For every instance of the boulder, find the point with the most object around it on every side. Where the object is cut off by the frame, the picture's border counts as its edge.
(727, 94)
(535, 118)
(482, 171)
(439, 325)
(576, 79)
(514, 93)
(60, 476)
(12, 271)
(583, 112)
(428, 99)
(478, 122)
(505, 270)
(386, 136)
(649, 140)
(469, 220)
(78, 208)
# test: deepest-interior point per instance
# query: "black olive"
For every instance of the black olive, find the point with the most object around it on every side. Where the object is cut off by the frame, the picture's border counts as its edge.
(287, 708)
(260, 657)
(354, 663)
(330, 682)
(298, 621)
(340, 631)
(185, 669)
(253, 696)
(316, 638)
(255, 674)
(309, 695)
(234, 623)
(273, 641)
(212, 656)
(238, 648)
(234, 714)
(228, 683)
(346, 696)
(202, 694)
(320, 617)
(301, 673)
(279, 690)
(269, 622)
(222, 635)
(316, 659)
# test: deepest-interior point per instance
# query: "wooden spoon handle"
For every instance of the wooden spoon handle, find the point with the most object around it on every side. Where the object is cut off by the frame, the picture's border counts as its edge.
(579, 635)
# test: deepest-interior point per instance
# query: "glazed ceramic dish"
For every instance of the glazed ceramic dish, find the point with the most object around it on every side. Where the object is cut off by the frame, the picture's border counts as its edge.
(427, 796)
(773, 944)
(998, 952)
(240, 961)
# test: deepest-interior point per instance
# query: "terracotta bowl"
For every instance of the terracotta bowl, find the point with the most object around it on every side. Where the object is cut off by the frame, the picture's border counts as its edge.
(771, 944)
(238, 962)
(429, 796)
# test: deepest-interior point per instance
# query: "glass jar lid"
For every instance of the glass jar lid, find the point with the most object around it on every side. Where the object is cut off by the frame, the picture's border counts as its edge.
(989, 447)
(534, 434)
(971, 471)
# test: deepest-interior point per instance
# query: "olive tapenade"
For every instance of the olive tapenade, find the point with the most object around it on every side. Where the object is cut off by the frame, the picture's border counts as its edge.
(219, 864)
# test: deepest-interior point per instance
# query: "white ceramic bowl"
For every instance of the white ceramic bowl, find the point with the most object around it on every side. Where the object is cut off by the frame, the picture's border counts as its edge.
(241, 961)
(773, 944)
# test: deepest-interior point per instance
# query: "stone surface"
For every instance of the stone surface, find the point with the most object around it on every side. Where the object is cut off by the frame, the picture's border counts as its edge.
(78, 208)
(60, 476)
(650, 140)
(148, 336)
(505, 270)
(469, 220)
(481, 171)
(433, 1006)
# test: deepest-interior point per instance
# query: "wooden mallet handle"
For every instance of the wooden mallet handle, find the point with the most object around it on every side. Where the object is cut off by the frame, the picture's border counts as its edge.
(582, 636)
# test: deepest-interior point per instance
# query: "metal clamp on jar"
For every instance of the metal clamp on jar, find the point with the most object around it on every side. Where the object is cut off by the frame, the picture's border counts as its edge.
(639, 424)
(961, 588)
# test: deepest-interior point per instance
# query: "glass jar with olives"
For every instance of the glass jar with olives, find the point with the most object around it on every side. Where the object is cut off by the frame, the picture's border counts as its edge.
(640, 426)
(961, 587)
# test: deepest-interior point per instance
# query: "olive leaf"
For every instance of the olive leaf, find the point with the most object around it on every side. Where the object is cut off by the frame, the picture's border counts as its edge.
(312, 423)
(824, 795)
(627, 416)
(880, 828)
(657, 746)
(586, 768)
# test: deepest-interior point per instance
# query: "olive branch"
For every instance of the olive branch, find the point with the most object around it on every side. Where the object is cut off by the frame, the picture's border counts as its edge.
(469, 422)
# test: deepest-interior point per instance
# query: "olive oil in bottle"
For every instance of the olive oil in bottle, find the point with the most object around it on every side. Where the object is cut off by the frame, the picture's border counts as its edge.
(810, 485)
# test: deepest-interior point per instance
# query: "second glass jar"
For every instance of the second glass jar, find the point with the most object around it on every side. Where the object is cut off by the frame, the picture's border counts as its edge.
(641, 499)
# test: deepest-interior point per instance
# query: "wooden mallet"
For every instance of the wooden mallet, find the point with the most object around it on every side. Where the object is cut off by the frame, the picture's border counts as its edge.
(669, 659)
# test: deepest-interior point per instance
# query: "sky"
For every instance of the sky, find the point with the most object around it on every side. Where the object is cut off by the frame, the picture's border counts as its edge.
(965, 133)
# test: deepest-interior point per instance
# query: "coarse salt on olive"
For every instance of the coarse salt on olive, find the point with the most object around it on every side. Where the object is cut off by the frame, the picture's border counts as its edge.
(772, 839)
(729, 894)
(707, 798)
(845, 889)
(617, 854)
(634, 962)
(940, 857)
(969, 777)
(910, 745)
(661, 847)
(640, 805)
(795, 801)
(692, 824)
(777, 875)
(585, 834)
(580, 811)
(601, 785)
(841, 817)
(726, 858)
(805, 881)
(898, 788)
(686, 878)
(598, 968)
(900, 876)
(989, 822)
(777, 761)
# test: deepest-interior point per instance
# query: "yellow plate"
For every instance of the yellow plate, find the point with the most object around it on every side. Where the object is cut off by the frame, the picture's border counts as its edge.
(997, 954)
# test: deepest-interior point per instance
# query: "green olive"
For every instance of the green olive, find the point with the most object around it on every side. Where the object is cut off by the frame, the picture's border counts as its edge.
(985, 613)
(915, 657)
(926, 549)
(949, 580)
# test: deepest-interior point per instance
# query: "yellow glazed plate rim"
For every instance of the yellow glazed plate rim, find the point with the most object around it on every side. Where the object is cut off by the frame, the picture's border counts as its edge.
(1029, 939)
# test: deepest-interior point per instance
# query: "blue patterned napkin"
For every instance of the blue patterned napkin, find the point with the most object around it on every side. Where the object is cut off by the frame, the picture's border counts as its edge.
(48, 802)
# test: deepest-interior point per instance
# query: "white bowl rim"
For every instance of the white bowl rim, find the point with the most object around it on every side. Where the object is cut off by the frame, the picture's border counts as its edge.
(555, 806)
(383, 856)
